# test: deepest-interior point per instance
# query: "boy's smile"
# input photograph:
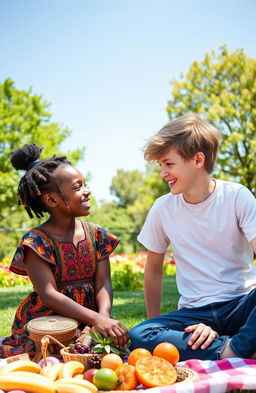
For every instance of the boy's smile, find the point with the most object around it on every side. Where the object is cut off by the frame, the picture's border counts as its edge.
(179, 173)
(187, 177)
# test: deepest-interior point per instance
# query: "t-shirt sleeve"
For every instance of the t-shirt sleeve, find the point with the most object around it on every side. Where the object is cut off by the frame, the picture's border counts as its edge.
(40, 245)
(152, 235)
(246, 213)
(105, 243)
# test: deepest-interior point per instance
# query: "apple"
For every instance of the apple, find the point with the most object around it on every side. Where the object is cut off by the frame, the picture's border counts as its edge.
(89, 374)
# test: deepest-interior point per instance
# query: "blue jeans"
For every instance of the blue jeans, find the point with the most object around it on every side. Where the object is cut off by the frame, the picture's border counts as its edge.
(234, 320)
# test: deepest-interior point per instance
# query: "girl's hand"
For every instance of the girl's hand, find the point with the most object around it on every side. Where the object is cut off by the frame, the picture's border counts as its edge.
(113, 328)
(202, 335)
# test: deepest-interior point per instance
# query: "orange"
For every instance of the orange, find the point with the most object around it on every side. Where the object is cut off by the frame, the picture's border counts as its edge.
(153, 371)
(127, 379)
(136, 354)
(111, 360)
(168, 352)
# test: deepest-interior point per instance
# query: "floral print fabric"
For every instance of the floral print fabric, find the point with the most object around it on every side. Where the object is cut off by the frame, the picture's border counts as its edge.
(73, 268)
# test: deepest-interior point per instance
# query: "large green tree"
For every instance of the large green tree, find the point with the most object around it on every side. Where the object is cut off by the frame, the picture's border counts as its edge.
(222, 87)
(25, 118)
(136, 191)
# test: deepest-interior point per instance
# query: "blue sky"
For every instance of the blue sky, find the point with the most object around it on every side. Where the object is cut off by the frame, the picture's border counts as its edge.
(105, 65)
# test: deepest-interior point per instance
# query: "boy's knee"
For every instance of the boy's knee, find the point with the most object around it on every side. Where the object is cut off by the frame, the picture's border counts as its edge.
(136, 337)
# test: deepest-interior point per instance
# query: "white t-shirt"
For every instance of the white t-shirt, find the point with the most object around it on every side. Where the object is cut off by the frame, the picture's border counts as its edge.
(210, 242)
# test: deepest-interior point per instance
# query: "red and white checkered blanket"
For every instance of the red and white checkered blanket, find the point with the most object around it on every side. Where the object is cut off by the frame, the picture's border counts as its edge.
(218, 376)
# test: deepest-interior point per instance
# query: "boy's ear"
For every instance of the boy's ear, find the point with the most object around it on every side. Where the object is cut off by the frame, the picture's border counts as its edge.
(199, 159)
(50, 200)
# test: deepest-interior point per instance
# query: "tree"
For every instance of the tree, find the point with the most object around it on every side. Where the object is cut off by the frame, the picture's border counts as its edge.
(222, 87)
(136, 192)
(125, 186)
(25, 118)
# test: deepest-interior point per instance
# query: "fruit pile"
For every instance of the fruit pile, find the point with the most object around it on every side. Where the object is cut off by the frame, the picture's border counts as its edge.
(143, 368)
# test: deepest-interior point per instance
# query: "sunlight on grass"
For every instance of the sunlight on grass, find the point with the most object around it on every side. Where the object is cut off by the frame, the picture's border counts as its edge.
(128, 306)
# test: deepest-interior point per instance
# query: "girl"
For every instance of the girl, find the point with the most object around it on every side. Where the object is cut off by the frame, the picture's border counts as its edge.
(67, 260)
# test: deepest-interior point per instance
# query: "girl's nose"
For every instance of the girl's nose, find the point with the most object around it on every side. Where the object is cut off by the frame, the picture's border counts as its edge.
(86, 190)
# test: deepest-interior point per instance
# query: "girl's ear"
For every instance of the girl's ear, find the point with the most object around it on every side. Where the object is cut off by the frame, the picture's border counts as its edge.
(50, 200)
(199, 159)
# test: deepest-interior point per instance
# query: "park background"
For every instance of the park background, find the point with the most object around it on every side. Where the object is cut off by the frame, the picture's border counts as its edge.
(94, 80)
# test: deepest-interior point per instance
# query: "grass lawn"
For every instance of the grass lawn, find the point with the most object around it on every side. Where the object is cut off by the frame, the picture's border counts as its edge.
(129, 306)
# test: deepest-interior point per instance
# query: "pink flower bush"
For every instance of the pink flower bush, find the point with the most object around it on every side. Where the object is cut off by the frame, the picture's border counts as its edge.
(126, 271)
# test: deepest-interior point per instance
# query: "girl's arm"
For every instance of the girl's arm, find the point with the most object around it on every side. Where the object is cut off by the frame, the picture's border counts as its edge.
(104, 297)
(103, 288)
(42, 278)
(153, 283)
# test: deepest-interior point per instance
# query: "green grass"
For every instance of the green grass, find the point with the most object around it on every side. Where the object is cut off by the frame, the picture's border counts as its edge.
(128, 306)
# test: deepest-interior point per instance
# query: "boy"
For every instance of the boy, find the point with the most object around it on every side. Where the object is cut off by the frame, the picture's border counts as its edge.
(211, 225)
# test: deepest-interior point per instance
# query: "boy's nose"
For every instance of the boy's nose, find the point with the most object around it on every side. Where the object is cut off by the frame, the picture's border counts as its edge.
(163, 173)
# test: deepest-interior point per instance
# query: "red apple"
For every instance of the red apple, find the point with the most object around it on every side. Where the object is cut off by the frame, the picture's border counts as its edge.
(89, 374)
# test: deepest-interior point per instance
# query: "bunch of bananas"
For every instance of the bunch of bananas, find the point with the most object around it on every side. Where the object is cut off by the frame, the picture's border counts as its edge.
(57, 378)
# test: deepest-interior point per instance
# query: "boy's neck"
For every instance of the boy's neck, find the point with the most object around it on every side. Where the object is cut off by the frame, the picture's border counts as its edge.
(201, 191)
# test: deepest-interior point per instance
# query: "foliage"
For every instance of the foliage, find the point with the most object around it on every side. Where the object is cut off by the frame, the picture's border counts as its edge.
(9, 279)
(136, 192)
(125, 186)
(222, 87)
(105, 345)
(126, 271)
(25, 118)
(152, 188)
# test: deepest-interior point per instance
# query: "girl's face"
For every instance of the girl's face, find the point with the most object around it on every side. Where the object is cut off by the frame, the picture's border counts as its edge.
(75, 191)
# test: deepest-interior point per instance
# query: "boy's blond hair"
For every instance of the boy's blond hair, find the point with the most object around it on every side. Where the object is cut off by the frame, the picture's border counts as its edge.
(188, 134)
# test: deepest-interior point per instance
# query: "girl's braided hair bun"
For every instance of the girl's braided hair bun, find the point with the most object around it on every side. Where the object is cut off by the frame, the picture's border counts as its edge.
(38, 177)
(22, 157)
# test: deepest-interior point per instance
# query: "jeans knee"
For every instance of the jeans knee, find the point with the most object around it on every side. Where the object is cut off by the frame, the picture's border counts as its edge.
(136, 337)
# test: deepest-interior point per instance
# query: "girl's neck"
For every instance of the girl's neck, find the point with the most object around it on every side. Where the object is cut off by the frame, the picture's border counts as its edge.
(57, 228)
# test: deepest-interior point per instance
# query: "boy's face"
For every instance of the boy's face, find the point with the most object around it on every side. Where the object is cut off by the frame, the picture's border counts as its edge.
(180, 174)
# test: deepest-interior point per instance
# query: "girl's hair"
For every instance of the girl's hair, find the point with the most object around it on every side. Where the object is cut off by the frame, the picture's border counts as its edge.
(188, 134)
(38, 177)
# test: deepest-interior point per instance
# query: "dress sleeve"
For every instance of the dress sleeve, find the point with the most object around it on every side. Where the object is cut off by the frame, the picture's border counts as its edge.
(105, 243)
(39, 243)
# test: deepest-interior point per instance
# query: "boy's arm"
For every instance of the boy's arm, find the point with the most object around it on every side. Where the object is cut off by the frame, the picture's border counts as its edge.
(153, 283)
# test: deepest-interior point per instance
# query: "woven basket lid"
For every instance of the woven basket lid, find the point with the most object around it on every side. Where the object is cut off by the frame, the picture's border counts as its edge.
(52, 323)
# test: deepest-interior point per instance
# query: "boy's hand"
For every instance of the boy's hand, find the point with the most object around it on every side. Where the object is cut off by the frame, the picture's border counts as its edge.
(202, 335)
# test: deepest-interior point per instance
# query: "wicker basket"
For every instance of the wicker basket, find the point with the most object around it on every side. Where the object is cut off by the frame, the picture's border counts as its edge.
(62, 328)
(82, 358)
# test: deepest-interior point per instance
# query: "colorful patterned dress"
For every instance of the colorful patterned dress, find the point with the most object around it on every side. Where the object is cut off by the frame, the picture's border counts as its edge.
(73, 269)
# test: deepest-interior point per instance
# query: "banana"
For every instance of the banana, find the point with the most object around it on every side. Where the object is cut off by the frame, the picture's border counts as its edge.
(70, 369)
(30, 382)
(52, 372)
(79, 382)
(79, 376)
(20, 365)
(71, 388)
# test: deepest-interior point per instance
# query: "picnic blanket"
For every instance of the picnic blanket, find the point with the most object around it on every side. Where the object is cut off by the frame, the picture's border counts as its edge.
(218, 376)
